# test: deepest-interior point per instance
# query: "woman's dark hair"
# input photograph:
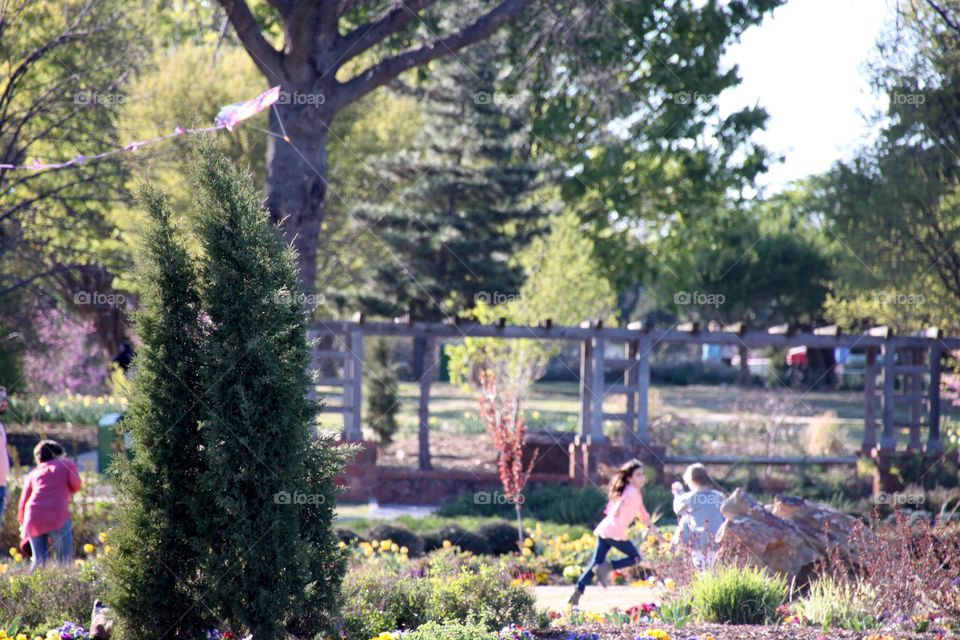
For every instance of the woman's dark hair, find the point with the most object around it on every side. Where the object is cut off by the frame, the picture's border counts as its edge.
(622, 477)
(47, 450)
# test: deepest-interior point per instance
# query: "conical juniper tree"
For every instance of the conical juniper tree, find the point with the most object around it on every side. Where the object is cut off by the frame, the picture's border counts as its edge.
(154, 571)
(270, 488)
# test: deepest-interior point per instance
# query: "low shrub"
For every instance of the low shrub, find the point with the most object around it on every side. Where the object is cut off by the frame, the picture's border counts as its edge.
(348, 536)
(737, 595)
(401, 535)
(501, 536)
(448, 587)
(452, 631)
(458, 537)
(47, 597)
(835, 603)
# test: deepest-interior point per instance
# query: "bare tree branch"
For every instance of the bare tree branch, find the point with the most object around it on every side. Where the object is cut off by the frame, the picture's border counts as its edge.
(391, 21)
(267, 59)
(387, 70)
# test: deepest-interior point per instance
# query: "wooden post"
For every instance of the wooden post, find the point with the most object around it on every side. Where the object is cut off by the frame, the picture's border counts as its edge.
(888, 441)
(916, 400)
(870, 402)
(353, 422)
(426, 376)
(598, 391)
(586, 387)
(630, 382)
(643, 382)
(934, 445)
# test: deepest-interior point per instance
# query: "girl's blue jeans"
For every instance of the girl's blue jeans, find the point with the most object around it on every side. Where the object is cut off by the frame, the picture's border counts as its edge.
(600, 554)
(61, 542)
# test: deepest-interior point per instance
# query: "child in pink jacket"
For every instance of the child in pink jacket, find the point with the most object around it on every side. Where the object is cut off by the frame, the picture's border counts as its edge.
(44, 512)
(625, 506)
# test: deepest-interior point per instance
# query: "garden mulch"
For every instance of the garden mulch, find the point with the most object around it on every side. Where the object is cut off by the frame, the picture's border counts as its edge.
(727, 632)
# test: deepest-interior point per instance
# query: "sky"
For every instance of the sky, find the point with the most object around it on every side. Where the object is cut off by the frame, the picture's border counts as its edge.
(806, 65)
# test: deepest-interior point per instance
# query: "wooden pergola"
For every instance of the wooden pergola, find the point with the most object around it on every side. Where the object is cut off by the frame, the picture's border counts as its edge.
(913, 359)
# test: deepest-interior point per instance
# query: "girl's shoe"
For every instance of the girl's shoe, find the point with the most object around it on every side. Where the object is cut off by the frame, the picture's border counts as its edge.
(575, 598)
(604, 569)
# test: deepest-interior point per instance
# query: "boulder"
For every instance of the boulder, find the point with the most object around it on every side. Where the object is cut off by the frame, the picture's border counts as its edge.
(788, 537)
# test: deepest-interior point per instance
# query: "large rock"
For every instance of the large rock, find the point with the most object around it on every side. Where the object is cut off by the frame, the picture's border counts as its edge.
(789, 537)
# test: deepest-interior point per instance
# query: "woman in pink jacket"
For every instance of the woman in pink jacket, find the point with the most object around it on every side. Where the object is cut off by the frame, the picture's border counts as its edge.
(625, 506)
(44, 512)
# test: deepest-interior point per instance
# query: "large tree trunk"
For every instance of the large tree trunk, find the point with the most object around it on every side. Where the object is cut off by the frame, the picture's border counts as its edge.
(297, 182)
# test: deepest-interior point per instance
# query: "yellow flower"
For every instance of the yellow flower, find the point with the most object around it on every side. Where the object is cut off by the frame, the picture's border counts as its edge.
(527, 552)
(657, 634)
(374, 543)
(100, 400)
(102, 537)
(3, 568)
(535, 414)
(669, 584)
(108, 549)
(18, 557)
(404, 550)
(394, 547)
(447, 544)
(13, 551)
(528, 543)
(78, 562)
(42, 400)
(88, 548)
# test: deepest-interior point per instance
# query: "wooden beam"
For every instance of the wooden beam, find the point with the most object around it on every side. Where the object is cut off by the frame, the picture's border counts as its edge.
(870, 402)
(599, 384)
(882, 332)
(586, 387)
(423, 413)
(354, 431)
(888, 440)
(643, 390)
(918, 397)
(739, 328)
(829, 330)
(934, 444)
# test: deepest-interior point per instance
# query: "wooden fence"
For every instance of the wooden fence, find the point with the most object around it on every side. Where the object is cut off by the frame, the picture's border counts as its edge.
(913, 359)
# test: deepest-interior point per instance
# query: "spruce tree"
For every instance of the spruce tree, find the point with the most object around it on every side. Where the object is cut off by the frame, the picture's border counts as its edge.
(269, 516)
(154, 571)
(383, 400)
(452, 212)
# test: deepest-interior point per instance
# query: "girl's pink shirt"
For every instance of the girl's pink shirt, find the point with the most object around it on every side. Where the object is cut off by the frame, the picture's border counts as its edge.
(45, 501)
(620, 514)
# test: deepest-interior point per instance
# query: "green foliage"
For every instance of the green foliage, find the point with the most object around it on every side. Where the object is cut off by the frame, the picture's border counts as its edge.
(268, 516)
(563, 282)
(737, 595)
(452, 631)
(160, 497)
(377, 599)
(458, 537)
(676, 611)
(465, 205)
(383, 399)
(47, 597)
(839, 604)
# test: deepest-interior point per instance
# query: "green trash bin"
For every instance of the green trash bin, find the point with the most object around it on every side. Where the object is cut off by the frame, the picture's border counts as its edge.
(109, 441)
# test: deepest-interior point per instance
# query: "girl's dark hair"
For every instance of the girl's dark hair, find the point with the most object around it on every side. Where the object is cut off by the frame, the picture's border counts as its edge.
(622, 476)
(47, 450)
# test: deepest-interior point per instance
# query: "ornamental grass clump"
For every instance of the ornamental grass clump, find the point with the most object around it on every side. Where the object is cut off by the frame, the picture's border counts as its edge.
(833, 602)
(737, 595)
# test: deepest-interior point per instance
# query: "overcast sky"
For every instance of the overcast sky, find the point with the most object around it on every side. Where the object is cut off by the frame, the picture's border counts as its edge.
(805, 65)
